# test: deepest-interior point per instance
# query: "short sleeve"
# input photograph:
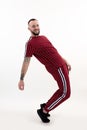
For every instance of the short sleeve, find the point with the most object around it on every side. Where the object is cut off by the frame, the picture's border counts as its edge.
(28, 50)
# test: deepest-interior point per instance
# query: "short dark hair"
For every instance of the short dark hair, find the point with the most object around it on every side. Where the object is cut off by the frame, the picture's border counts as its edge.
(33, 19)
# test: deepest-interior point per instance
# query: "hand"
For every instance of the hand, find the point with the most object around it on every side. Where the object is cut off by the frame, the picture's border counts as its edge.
(21, 85)
(68, 66)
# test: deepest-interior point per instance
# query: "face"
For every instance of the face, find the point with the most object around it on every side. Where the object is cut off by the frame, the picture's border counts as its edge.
(33, 26)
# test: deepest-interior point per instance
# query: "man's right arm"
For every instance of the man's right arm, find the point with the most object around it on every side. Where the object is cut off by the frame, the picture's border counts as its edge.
(23, 72)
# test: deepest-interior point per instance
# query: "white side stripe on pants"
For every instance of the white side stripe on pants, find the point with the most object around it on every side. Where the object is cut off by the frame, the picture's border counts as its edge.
(64, 89)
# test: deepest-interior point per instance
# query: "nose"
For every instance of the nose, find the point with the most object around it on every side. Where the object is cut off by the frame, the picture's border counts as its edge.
(36, 27)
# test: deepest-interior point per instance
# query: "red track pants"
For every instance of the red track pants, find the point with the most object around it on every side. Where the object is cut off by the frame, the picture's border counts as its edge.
(63, 93)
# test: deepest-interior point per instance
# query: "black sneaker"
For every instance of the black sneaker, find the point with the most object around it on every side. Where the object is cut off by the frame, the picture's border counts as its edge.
(42, 106)
(43, 116)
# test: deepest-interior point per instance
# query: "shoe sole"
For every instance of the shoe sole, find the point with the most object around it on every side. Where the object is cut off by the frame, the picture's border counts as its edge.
(42, 118)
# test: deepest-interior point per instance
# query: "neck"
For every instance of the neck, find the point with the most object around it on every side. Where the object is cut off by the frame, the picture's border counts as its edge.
(34, 35)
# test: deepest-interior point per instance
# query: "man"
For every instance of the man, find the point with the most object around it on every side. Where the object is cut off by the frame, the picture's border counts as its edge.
(58, 67)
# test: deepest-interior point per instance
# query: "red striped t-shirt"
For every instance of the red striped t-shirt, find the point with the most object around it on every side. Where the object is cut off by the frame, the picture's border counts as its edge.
(44, 51)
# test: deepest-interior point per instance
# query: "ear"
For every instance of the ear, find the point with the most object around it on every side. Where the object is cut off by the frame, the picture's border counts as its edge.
(28, 28)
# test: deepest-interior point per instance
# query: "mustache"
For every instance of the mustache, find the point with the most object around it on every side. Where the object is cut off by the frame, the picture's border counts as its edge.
(35, 33)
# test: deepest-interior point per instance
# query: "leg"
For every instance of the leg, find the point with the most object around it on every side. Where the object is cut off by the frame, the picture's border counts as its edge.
(63, 93)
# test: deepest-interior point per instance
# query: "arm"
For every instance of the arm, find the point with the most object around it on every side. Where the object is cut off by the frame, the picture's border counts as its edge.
(23, 72)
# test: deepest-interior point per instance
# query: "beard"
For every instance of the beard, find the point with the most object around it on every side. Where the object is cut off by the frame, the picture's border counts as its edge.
(35, 33)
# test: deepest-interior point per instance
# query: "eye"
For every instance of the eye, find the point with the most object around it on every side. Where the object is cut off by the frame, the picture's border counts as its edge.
(33, 26)
(37, 25)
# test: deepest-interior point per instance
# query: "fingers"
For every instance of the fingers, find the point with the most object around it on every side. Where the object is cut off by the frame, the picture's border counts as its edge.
(69, 67)
(21, 85)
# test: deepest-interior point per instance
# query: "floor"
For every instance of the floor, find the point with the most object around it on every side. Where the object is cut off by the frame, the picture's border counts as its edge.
(19, 115)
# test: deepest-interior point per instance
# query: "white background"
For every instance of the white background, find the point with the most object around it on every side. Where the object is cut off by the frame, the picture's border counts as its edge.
(64, 22)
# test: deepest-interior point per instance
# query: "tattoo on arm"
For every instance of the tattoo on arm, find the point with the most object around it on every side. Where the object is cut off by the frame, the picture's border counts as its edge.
(24, 67)
(22, 76)
(26, 59)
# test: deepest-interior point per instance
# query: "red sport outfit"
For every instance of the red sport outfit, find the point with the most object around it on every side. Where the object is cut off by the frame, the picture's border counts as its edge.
(47, 54)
